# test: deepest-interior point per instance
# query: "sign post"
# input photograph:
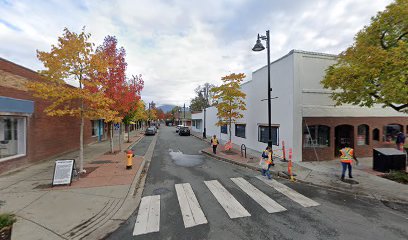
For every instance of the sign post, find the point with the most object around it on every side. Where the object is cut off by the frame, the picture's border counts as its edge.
(63, 172)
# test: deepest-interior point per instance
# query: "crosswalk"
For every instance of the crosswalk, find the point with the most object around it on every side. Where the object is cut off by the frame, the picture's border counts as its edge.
(148, 218)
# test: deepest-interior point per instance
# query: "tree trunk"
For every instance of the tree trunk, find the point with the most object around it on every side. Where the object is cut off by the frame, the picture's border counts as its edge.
(230, 122)
(111, 136)
(120, 137)
(128, 127)
(81, 144)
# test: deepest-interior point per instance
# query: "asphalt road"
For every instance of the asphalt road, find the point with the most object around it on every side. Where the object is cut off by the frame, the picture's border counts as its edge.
(339, 215)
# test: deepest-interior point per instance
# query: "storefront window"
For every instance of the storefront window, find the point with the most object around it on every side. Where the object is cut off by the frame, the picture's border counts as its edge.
(362, 135)
(12, 136)
(263, 135)
(391, 131)
(224, 129)
(240, 130)
(316, 136)
(95, 126)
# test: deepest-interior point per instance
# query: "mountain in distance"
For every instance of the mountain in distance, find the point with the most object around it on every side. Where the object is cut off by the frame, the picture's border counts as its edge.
(166, 107)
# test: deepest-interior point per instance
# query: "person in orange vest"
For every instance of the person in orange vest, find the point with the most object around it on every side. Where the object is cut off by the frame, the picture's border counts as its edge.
(346, 158)
(266, 162)
(214, 143)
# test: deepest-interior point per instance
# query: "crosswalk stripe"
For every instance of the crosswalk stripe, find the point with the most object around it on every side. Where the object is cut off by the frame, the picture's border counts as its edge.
(148, 218)
(190, 208)
(261, 198)
(290, 193)
(233, 208)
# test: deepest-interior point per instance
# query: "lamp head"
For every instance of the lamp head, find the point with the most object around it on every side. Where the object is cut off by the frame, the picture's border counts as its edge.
(258, 45)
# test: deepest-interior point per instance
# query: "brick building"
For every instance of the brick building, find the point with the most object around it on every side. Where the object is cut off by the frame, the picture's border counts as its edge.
(27, 134)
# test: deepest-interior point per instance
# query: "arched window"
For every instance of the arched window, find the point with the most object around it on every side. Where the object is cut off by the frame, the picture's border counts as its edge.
(362, 135)
(391, 131)
(316, 136)
(376, 134)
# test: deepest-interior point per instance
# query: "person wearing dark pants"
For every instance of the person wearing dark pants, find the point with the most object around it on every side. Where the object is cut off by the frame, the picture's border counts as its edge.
(214, 143)
(346, 158)
(267, 162)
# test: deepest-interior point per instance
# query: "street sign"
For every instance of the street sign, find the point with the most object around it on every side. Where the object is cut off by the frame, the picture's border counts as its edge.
(63, 172)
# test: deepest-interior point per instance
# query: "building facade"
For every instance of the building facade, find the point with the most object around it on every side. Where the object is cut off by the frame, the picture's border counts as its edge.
(303, 114)
(27, 134)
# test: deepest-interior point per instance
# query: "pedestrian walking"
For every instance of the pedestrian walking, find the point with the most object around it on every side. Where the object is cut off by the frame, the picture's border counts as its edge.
(266, 162)
(346, 158)
(400, 141)
(214, 143)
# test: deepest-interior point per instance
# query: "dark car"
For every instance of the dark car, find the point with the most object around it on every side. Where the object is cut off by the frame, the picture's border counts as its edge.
(184, 131)
(150, 131)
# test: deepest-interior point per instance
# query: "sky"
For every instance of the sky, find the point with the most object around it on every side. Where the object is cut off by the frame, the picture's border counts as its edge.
(179, 44)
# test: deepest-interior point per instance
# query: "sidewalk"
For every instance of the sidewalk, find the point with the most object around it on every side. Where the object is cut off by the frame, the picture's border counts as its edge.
(326, 174)
(79, 211)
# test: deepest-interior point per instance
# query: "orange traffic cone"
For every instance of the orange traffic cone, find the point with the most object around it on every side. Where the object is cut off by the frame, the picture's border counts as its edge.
(292, 179)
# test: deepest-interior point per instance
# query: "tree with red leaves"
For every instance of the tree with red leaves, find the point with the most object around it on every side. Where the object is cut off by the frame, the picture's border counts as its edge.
(160, 114)
(124, 94)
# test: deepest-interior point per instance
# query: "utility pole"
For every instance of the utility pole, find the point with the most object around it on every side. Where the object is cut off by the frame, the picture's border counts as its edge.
(184, 114)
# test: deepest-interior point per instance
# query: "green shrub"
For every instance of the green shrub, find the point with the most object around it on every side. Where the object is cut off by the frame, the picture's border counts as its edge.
(397, 176)
(7, 220)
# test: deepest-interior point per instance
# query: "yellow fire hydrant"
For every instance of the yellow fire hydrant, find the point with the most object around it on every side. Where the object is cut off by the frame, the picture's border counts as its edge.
(129, 162)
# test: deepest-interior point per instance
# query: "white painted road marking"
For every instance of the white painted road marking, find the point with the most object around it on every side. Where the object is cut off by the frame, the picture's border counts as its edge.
(233, 208)
(190, 208)
(148, 217)
(261, 198)
(290, 193)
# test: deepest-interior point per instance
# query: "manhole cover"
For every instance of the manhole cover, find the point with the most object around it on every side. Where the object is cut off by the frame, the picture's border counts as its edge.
(101, 162)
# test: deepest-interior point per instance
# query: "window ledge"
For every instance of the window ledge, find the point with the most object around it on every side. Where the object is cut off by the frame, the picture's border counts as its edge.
(12, 157)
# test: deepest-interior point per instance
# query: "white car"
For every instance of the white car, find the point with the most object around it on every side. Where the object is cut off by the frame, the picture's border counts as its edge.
(178, 128)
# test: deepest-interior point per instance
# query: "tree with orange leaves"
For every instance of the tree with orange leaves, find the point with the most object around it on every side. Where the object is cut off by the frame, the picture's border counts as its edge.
(231, 100)
(73, 58)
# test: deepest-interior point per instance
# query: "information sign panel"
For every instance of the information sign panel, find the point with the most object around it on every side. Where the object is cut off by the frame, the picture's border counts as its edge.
(63, 172)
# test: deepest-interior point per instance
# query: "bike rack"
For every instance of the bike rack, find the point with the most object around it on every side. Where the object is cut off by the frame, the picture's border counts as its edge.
(243, 148)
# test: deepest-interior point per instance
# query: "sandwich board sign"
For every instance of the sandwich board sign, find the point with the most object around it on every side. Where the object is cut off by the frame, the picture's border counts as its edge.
(63, 172)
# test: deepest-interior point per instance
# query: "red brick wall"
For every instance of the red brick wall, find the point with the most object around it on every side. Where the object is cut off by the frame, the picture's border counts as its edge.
(46, 136)
(328, 153)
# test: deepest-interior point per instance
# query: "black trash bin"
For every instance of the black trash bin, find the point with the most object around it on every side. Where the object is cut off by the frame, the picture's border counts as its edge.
(386, 159)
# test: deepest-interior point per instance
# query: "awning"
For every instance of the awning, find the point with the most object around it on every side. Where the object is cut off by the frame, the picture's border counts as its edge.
(13, 105)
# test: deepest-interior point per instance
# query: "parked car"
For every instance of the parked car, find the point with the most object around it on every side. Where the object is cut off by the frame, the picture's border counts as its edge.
(150, 131)
(184, 131)
(155, 128)
(178, 128)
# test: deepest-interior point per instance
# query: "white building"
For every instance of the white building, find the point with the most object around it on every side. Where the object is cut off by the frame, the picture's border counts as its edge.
(303, 114)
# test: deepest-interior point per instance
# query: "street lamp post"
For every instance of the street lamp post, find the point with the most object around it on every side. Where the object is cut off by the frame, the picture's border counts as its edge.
(148, 119)
(205, 109)
(257, 48)
(184, 120)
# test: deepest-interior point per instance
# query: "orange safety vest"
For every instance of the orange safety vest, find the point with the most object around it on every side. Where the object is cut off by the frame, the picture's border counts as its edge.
(347, 155)
(214, 141)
